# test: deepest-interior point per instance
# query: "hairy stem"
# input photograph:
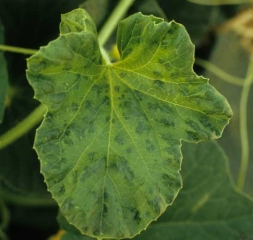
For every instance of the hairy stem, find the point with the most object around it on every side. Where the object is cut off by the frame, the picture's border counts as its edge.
(23, 127)
(17, 49)
(243, 126)
(118, 13)
(219, 72)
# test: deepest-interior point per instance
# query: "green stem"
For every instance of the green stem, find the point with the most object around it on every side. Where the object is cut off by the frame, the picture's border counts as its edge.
(23, 127)
(17, 49)
(243, 126)
(219, 73)
(5, 215)
(118, 13)
(27, 201)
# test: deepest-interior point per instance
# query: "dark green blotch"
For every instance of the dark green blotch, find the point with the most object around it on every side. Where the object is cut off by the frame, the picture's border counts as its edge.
(159, 107)
(105, 210)
(193, 125)
(85, 228)
(68, 141)
(86, 63)
(127, 104)
(123, 166)
(119, 139)
(166, 137)
(192, 136)
(87, 172)
(106, 100)
(159, 84)
(139, 95)
(166, 122)
(74, 177)
(150, 147)
(67, 205)
(167, 178)
(206, 123)
(122, 74)
(49, 116)
(51, 135)
(91, 155)
(97, 88)
(122, 97)
(137, 216)
(155, 205)
(157, 74)
(67, 133)
(172, 29)
(91, 126)
(165, 40)
(142, 128)
(96, 232)
(129, 150)
(57, 98)
(88, 23)
(116, 88)
(38, 66)
(59, 189)
(74, 105)
(52, 181)
(87, 104)
(113, 165)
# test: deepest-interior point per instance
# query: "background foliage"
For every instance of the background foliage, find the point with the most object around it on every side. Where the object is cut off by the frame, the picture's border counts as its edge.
(27, 208)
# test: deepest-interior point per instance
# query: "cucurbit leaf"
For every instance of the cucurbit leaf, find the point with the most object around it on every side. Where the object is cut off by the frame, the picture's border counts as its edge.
(110, 142)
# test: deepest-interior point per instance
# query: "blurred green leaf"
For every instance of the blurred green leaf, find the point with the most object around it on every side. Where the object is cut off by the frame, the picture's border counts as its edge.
(198, 20)
(149, 7)
(3, 77)
(220, 2)
(97, 9)
(209, 206)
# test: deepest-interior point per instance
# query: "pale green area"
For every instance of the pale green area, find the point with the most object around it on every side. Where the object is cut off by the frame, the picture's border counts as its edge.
(110, 142)
(209, 206)
(3, 77)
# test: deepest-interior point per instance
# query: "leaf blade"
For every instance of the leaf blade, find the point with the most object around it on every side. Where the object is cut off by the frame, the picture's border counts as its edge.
(110, 142)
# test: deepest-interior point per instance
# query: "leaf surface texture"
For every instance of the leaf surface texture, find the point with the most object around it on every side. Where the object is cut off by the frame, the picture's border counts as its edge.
(110, 142)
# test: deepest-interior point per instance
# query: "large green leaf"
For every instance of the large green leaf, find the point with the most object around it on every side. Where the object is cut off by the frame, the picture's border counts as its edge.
(209, 206)
(110, 143)
(3, 77)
